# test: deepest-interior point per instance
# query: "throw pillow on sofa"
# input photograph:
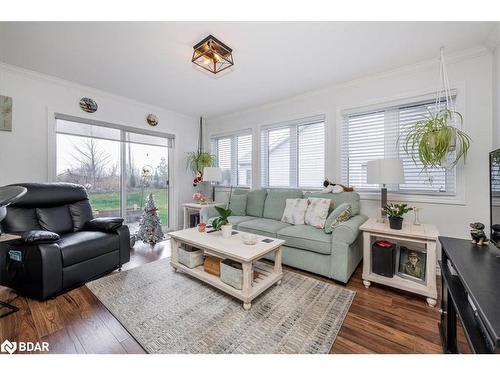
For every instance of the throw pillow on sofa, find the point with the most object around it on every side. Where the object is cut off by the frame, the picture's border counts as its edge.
(317, 212)
(295, 211)
(342, 213)
(238, 205)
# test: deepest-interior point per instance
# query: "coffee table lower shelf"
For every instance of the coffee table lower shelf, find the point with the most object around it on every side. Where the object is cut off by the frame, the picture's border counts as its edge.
(265, 278)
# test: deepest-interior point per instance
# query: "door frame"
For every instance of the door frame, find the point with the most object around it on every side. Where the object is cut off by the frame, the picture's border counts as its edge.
(53, 116)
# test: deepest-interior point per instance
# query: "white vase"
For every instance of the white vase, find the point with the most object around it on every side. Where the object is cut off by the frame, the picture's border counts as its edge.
(226, 230)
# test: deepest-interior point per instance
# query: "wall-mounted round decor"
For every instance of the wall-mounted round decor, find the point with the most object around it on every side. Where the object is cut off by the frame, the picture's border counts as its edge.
(152, 120)
(88, 105)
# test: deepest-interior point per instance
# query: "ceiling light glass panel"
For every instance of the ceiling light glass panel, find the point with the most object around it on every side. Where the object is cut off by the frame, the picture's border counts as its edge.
(212, 55)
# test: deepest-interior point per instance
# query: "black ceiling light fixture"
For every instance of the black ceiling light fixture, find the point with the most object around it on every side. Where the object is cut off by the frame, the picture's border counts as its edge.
(213, 55)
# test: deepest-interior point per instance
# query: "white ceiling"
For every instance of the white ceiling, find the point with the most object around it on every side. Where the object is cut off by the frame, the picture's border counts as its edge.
(151, 62)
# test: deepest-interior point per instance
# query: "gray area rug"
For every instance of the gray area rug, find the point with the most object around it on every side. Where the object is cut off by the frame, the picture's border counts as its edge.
(168, 312)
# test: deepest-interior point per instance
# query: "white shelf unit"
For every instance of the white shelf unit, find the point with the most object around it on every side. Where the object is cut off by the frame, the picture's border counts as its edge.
(422, 238)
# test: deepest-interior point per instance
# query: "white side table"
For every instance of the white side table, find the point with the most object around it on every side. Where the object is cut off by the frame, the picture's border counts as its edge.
(423, 237)
(189, 208)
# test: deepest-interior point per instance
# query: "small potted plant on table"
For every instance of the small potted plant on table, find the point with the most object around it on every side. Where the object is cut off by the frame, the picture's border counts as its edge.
(222, 223)
(395, 213)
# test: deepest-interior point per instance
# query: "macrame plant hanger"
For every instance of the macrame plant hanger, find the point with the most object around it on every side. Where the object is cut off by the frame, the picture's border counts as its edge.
(444, 85)
(444, 89)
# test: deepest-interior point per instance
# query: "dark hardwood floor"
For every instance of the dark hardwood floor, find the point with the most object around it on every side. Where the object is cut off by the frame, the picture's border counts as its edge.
(380, 320)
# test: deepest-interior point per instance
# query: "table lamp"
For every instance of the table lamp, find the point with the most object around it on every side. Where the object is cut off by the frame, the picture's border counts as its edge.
(385, 171)
(212, 175)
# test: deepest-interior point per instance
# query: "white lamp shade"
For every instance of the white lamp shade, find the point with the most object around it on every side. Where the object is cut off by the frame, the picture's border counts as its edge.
(385, 171)
(212, 174)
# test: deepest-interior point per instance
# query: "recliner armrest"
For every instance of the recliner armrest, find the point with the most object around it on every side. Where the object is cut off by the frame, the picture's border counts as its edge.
(348, 231)
(34, 237)
(103, 224)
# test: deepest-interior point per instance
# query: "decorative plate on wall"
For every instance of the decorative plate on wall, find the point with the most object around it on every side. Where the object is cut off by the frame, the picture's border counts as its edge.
(88, 105)
(152, 120)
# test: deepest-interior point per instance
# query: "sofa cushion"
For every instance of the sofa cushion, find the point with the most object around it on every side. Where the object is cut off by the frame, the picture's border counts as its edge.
(264, 227)
(255, 202)
(81, 212)
(80, 246)
(55, 219)
(238, 204)
(235, 220)
(350, 197)
(276, 202)
(20, 220)
(307, 237)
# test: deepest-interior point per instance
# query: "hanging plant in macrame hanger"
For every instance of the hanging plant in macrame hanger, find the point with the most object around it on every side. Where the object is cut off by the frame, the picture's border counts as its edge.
(438, 140)
(198, 160)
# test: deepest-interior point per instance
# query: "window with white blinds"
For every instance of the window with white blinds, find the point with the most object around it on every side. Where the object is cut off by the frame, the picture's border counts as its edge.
(381, 133)
(234, 156)
(293, 154)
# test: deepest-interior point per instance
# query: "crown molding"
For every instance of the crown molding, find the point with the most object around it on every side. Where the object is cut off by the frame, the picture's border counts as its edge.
(451, 58)
(34, 75)
(492, 41)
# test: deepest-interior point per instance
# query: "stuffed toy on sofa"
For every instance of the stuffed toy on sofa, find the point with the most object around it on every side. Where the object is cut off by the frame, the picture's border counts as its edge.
(331, 187)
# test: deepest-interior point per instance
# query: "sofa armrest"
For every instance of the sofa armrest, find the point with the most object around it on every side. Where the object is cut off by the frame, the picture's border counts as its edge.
(39, 272)
(124, 236)
(348, 231)
(33, 237)
(104, 224)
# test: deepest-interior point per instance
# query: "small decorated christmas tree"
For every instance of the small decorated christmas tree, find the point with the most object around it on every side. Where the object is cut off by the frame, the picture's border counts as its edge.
(150, 225)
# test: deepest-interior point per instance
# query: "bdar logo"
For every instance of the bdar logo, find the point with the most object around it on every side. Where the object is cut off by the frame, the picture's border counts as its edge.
(8, 347)
(23, 346)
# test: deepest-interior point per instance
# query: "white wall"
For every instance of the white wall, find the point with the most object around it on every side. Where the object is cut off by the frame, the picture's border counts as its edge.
(469, 71)
(24, 151)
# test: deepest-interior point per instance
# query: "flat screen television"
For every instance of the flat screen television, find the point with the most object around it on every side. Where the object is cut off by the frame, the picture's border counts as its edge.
(495, 197)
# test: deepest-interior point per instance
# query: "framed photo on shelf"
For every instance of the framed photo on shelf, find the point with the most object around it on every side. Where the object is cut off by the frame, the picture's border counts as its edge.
(411, 264)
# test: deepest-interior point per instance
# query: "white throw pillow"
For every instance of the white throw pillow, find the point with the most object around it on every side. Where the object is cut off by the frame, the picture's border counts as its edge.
(295, 211)
(317, 212)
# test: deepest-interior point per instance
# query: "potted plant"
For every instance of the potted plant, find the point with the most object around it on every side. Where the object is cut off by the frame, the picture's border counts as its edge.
(395, 213)
(197, 160)
(433, 139)
(222, 223)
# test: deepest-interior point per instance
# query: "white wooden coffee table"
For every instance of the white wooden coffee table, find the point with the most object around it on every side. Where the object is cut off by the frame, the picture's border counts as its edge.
(232, 248)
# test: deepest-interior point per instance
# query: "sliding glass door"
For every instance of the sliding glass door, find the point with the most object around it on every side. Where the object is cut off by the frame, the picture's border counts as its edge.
(118, 167)
(146, 172)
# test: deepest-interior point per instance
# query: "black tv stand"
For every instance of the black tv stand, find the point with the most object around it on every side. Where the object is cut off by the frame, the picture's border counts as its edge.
(470, 295)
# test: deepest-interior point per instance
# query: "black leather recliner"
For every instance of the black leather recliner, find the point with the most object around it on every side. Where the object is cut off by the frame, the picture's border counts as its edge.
(62, 245)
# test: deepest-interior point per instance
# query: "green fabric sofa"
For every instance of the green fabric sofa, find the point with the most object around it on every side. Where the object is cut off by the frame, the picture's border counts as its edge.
(334, 255)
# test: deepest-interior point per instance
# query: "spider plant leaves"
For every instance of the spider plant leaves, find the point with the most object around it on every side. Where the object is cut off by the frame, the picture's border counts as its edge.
(433, 139)
(196, 161)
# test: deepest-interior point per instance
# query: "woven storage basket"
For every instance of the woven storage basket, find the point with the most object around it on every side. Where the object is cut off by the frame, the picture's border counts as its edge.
(190, 257)
(231, 273)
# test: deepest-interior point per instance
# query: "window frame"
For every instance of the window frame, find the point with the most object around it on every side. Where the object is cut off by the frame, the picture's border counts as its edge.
(459, 90)
(233, 137)
(294, 167)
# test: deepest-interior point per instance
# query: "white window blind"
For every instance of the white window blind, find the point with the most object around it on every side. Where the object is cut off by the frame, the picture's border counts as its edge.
(293, 154)
(234, 156)
(381, 133)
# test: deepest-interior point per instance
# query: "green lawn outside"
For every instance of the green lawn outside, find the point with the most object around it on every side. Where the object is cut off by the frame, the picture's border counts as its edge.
(111, 201)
